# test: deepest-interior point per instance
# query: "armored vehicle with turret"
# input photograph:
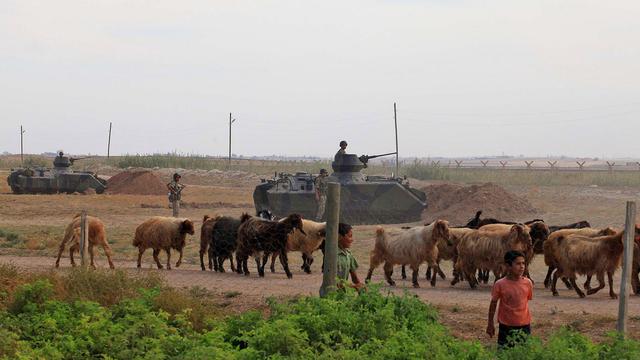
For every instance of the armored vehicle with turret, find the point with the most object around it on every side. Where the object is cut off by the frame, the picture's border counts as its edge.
(59, 179)
(363, 199)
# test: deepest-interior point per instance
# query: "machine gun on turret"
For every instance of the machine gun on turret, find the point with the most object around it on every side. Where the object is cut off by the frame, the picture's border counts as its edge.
(365, 158)
(72, 159)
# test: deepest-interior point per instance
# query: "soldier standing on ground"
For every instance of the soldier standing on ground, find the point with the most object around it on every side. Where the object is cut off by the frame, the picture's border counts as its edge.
(175, 193)
(321, 193)
(343, 150)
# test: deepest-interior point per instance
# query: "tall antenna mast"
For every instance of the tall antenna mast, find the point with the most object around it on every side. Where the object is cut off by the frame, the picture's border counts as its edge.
(109, 142)
(395, 120)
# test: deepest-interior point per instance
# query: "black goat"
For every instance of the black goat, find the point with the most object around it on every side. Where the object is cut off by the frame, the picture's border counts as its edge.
(257, 236)
(223, 241)
(577, 225)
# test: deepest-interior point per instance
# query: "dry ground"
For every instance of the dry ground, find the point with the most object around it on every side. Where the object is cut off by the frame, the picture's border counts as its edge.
(40, 219)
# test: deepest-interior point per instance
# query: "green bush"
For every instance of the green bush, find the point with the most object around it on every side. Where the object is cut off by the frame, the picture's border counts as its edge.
(30, 296)
(345, 325)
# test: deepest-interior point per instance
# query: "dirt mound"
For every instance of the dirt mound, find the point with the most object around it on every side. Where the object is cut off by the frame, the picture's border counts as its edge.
(136, 182)
(458, 203)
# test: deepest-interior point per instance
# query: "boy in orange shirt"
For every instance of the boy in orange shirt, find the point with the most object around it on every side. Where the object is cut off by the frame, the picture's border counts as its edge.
(513, 292)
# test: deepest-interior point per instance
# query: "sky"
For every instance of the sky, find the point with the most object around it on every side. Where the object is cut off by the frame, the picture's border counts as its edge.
(470, 78)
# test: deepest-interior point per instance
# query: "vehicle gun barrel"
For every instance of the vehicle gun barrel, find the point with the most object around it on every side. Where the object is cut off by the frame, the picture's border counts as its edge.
(365, 158)
(72, 159)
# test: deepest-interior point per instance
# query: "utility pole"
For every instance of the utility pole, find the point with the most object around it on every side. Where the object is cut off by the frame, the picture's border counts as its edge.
(21, 147)
(395, 120)
(109, 142)
(231, 121)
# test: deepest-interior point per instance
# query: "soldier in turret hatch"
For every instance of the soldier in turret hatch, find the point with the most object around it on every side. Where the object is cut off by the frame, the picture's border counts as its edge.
(61, 160)
(342, 151)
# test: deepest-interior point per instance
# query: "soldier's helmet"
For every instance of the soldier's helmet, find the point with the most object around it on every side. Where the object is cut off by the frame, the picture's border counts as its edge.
(323, 171)
(343, 143)
(176, 176)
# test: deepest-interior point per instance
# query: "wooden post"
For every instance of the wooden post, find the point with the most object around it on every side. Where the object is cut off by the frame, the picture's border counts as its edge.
(435, 163)
(529, 163)
(504, 164)
(458, 163)
(625, 282)
(84, 238)
(109, 142)
(638, 163)
(331, 242)
(484, 163)
(580, 164)
(552, 164)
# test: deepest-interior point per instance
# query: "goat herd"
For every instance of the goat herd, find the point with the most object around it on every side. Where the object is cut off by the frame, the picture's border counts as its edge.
(475, 249)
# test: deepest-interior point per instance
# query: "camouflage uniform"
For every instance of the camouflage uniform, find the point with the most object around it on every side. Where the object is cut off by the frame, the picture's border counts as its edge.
(176, 190)
(175, 194)
(321, 190)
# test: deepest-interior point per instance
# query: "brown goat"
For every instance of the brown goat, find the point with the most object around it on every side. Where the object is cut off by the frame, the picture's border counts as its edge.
(162, 233)
(484, 249)
(97, 236)
(578, 254)
(447, 251)
(306, 244)
(550, 249)
(412, 247)
(205, 236)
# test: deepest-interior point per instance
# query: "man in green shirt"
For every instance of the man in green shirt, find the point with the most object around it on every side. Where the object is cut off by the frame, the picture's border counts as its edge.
(347, 263)
(321, 193)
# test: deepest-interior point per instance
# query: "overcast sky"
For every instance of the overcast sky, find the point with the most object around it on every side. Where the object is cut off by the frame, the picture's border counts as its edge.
(470, 77)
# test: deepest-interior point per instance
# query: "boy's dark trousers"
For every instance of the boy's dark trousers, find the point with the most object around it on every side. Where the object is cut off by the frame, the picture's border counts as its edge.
(505, 331)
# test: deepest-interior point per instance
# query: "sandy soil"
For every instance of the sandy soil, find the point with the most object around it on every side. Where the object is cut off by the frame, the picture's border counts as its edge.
(40, 219)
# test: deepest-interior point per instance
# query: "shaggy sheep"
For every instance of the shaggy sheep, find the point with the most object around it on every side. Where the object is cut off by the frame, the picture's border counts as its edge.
(446, 251)
(162, 233)
(579, 254)
(97, 236)
(307, 244)
(257, 236)
(539, 232)
(484, 249)
(549, 249)
(412, 247)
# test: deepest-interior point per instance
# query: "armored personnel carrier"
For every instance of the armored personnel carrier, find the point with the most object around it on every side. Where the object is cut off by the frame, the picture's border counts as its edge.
(59, 179)
(363, 199)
